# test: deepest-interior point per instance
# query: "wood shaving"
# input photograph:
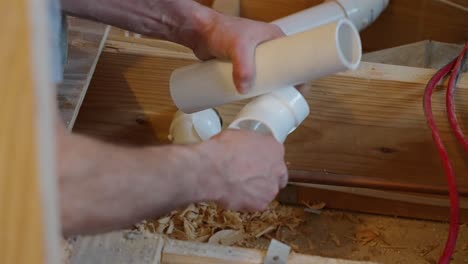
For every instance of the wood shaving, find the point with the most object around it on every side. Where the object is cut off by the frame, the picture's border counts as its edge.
(465, 247)
(227, 237)
(352, 218)
(335, 239)
(366, 236)
(200, 222)
(315, 206)
(428, 249)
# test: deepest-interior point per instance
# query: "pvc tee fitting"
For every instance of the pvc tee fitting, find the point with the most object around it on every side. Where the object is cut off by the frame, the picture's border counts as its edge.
(278, 113)
(194, 128)
(280, 63)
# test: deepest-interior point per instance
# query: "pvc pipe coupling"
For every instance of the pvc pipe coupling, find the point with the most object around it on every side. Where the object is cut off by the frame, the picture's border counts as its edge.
(278, 113)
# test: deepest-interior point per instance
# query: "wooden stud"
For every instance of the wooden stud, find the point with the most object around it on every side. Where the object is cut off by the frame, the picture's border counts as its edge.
(29, 222)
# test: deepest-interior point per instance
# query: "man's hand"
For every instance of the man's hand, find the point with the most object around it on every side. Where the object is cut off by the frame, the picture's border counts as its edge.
(209, 33)
(247, 170)
(235, 38)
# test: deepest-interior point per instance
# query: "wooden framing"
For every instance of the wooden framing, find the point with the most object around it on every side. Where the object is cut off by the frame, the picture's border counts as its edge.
(30, 228)
(387, 145)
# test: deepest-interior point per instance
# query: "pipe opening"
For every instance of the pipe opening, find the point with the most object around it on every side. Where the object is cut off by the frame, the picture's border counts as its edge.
(349, 44)
(254, 125)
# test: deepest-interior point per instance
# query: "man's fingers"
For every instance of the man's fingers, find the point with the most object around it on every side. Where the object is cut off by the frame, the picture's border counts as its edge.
(244, 68)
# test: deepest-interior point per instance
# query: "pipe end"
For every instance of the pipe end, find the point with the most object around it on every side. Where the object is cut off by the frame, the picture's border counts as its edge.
(349, 44)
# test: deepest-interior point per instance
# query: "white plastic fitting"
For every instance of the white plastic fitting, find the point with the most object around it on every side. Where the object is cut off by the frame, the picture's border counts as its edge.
(280, 63)
(361, 12)
(278, 113)
(194, 128)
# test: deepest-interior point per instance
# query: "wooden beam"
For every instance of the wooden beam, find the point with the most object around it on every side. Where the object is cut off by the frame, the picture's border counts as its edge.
(29, 230)
(85, 43)
(143, 247)
(390, 203)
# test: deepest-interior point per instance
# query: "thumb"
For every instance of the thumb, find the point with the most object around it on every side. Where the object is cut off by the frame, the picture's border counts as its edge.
(243, 61)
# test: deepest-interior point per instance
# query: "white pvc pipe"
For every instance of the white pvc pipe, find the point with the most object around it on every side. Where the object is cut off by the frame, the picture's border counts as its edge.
(361, 12)
(280, 63)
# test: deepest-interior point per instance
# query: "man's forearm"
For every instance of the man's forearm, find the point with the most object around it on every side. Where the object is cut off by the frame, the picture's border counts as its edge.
(104, 187)
(173, 20)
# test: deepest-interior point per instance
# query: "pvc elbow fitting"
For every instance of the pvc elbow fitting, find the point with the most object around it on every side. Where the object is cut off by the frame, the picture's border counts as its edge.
(278, 113)
(194, 128)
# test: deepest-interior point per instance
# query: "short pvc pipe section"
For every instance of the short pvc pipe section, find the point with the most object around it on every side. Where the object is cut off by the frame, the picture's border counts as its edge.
(280, 63)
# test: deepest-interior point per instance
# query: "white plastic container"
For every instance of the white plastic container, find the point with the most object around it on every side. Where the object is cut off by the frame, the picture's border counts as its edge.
(278, 113)
(280, 63)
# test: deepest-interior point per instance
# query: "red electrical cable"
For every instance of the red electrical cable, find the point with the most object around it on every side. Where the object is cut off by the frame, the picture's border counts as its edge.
(454, 197)
(452, 116)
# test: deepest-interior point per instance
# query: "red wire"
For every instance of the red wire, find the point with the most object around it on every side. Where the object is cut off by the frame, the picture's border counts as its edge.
(452, 116)
(454, 197)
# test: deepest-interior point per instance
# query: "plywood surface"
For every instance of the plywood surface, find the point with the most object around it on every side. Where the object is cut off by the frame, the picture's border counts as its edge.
(21, 216)
(85, 42)
(423, 54)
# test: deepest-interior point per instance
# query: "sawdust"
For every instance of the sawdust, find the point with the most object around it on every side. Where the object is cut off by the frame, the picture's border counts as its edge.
(335, 239)
(367, 236)
(206, 222)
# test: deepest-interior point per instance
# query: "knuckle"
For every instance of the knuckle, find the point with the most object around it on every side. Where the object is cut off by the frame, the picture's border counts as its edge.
(243, 73)
(277, 32)
(274, 193)
(262, 207)
(283, 170)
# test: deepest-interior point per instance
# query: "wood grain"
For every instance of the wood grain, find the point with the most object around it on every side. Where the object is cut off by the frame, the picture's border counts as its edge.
(387, 144)
(85, 43)
(21, 216)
